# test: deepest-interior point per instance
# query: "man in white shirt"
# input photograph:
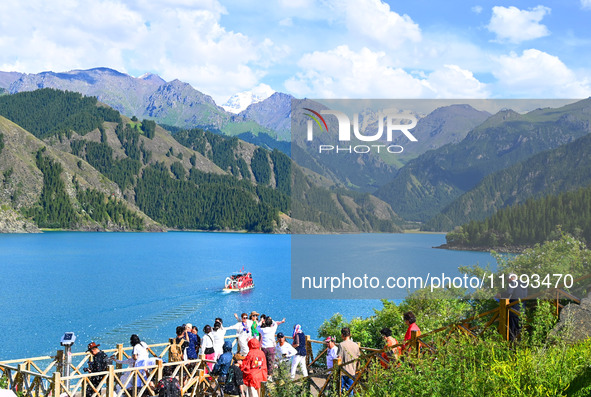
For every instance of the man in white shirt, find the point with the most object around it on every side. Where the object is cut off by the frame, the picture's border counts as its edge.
(332, 353)
(283, 349)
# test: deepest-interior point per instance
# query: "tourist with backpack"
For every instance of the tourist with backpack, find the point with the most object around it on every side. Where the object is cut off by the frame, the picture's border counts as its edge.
(178, 345)
(220, 369)
(234, 380)
(168, 386)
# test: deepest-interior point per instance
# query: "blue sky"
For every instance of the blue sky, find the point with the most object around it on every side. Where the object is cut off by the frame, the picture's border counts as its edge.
(317, 49)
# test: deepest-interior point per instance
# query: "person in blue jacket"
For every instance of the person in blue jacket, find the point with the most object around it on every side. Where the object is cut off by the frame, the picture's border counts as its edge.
(224, 361)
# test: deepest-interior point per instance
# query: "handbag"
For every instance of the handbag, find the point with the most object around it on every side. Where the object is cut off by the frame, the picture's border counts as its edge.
(209, 350)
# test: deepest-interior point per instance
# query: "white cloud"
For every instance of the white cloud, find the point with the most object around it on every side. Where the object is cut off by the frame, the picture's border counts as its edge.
(374, 19)
(451, 81)
(343, 73)
(538, 74)
(586, 4)
(515, 25)
(476, 9)
(286, 22)
(177, 39)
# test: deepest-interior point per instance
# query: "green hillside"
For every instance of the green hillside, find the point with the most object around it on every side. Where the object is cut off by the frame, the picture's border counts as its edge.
(49, 112)
(102, 171)
(429, 183)
(533, 222)
(565, 168)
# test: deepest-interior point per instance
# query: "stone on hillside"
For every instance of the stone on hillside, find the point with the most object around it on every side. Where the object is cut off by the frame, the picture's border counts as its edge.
(575, 322)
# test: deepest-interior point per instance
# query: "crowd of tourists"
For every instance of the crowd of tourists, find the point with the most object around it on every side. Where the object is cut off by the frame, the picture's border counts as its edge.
(259, 352)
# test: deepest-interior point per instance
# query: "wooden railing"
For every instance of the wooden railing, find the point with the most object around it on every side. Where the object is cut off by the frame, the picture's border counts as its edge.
(474, 326)
(41, 376)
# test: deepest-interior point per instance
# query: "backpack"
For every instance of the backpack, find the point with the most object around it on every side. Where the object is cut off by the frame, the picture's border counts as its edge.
(230, 382)
(176, 350)
(169, 387)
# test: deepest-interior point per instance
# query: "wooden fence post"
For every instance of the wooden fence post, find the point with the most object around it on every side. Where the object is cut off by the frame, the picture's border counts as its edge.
(59, 360)
(119, 354)
(22, 380)
(263, 389)
(414, 342)
(309, 352)
(57, 389)
(339, 376)
(160, 372)
(504, 318)
(111, 382)
(171, 341)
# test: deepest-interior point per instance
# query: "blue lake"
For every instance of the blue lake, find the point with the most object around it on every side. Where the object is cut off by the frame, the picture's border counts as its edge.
(106, 286)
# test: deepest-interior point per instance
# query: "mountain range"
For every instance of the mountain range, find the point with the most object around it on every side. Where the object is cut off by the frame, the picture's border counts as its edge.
(466, 164)
(69, 162)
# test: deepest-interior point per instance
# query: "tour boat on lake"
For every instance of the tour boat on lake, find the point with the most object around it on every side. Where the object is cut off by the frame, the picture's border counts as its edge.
(240, 281)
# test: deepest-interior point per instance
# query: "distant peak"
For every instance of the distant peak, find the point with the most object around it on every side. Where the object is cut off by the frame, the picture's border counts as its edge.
(239, 102)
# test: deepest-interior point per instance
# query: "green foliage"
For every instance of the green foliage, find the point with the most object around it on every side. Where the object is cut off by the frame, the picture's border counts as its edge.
(122, 172)
(260, 166)
(283, 386)
(533, 222)
(149, 128)
(177, 170)
(108, 211)
(282, 170)
(566, 168)
(48, 112)
(53, 209)
(1, 142)
(427, 184)
(129, 138)
(217, 148)
(204, 201)
(540, 364)
(468, 367)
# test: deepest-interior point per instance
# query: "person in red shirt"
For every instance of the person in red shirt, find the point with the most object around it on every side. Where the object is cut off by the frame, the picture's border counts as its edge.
(391, 354)
(254, 368)
(410, 321)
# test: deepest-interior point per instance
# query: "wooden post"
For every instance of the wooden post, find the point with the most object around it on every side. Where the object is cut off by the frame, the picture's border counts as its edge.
(171, 341)
(59, 359)
(160, 373)
(111, 381)
(57, 389)
(22, 379)
(263, 390)
(119, 354)
(414, 342)
(339, 376)
(504, 318)
(308, 351)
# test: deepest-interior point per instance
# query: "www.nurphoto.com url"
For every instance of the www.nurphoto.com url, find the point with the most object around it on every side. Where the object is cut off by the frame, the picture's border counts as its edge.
(434, 282)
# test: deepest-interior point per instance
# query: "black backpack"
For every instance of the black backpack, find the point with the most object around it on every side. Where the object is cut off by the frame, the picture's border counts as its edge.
(169, 387)
(230, 387)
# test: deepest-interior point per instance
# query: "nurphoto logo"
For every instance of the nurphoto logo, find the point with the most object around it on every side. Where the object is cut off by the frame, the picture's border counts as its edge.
(393, 130)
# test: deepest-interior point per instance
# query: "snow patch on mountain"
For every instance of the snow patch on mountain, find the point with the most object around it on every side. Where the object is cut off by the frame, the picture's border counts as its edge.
(239, 102)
